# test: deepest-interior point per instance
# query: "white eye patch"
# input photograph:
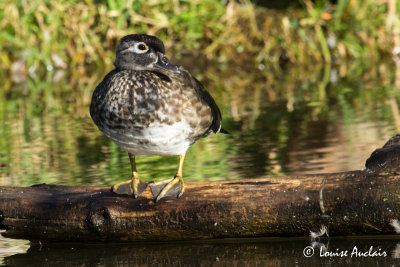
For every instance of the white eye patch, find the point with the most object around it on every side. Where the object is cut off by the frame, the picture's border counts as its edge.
(139, 48)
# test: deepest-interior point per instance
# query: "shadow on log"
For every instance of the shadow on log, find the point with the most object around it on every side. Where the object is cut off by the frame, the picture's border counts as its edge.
(349, 203)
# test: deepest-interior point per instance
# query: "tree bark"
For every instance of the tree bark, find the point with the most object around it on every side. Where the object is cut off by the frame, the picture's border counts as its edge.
(348, 203)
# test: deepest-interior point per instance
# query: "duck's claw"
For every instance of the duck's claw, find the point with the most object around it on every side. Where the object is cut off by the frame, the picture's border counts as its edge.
(169, 188)
(131, 187)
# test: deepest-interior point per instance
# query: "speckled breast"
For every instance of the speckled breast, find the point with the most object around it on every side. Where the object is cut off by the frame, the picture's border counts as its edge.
(148, 113)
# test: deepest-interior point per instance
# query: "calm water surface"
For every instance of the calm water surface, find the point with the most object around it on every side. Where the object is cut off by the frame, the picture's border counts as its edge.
(282, 122)
(247, 252)
(300, 122)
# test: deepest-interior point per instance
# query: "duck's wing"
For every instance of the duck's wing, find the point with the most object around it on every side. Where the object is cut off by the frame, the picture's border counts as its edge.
(215, 112)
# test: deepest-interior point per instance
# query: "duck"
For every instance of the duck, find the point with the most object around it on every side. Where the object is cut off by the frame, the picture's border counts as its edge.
(149, 106)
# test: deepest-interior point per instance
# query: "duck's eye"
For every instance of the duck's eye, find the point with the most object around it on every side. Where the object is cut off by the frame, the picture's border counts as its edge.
(141, 48)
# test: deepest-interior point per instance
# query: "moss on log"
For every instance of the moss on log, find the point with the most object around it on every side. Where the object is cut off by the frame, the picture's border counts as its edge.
(349, 203)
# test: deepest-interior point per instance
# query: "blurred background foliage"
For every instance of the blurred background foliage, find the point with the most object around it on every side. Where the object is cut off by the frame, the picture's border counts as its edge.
(304, 86)
(74, 34)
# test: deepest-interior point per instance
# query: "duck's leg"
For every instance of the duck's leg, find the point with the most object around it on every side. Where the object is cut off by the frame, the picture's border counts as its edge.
(170, 188)
(135, 186)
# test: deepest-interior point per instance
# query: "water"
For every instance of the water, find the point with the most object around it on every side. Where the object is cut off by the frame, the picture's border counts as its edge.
(282, 122)
(297, 123)
(247, 252)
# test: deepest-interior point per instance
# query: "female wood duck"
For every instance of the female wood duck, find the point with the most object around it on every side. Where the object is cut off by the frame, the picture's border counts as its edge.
(148, 106)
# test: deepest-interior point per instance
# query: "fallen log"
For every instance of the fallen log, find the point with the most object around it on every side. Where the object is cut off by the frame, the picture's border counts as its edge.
(348, 203)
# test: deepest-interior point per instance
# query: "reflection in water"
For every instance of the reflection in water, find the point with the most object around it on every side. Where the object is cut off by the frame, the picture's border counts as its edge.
(282, 123)
(10, 247)
(237, 252)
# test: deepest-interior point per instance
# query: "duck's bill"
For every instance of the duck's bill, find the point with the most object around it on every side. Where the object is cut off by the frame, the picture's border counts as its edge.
(165, 64)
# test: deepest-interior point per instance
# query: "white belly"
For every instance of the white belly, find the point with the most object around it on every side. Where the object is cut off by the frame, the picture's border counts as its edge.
(163, 140)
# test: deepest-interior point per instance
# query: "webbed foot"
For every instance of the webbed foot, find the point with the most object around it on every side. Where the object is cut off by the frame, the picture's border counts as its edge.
(133, 187)
(168, 188)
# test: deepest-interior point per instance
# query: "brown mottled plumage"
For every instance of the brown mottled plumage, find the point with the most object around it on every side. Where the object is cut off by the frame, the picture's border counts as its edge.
(148, 106)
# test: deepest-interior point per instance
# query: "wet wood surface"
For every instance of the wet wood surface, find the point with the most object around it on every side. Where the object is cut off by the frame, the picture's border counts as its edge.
(349, 203)
(358, 202)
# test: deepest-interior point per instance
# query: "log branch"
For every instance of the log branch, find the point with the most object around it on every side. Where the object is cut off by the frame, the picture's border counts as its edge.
(356, 202)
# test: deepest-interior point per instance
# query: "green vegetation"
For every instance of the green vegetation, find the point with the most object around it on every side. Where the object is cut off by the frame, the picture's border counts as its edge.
(283, 79)
(85, 32)
(43, 40)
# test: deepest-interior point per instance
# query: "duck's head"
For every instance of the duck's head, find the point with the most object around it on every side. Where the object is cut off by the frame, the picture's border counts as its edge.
(142, 52)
